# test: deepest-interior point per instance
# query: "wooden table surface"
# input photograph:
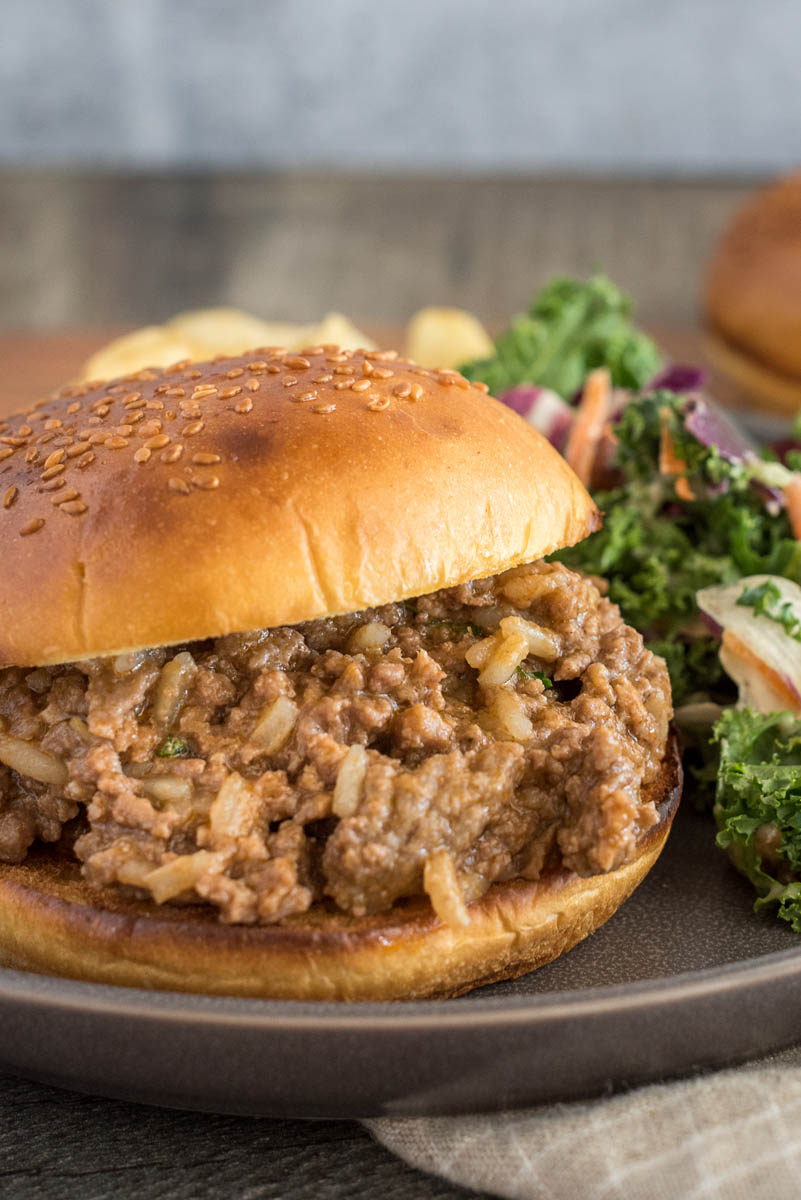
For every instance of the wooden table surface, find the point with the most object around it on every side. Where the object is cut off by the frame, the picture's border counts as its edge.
(83, 254)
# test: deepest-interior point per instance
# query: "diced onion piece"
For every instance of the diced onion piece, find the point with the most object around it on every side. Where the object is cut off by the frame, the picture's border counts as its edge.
(172, 689)
(168, 789)
(134, 872)
(442, 888)
(479, 653)
(28, 759)
(350, 782)
(540, 643)
(275, 726)
(756, 651)
(508, 717)
(371, 636)
(503, 663)
(81, 728)
(181, 874)
(230, 814)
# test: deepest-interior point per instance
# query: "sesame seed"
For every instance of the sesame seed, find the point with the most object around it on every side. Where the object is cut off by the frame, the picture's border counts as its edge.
(193, 427)
(117, 443)
(33, 455)
(322, 378)
(336, 358)
(343, 370)
(56, 457)
(290, 380)
(273, 369)
(360, 385)
(9, 496)
(205, 460)
(253, 385)
(156, 443)
(93, 421)
(13, 441)
(73, 408)
(402, 390)
(135, 417)
(367, 367)
(341, 384)
(298, 363)
(258, 366)
(235, 372)
(142, 454)
(323, 408)
(155, 404)
(229, 393)
(312, 351)
(181, 365)
(416, 392)
(383, 373)
(481, 386)
(150, 428)
(77, 449)
(103, 411)
(133, 398)
(172, 453)
(87, 459)
(378, 403)
(63, 497)
(192, 374)
(32, 527)
(53, 485)
(204, 389)
(175, 392)
(208, 484)
(243, 406)
(178, 485)
(51, 472)
(53, 423)
(161, 389)
(304, 396)
(75, 508)
(24, 431)
(124, 430)
(96, 438)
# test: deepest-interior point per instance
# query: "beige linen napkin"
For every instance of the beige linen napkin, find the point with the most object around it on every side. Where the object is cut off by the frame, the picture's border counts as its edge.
(733, 1135)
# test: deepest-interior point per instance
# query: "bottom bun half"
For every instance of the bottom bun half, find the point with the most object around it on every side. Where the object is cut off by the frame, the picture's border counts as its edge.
(52, 922)
(759, 384)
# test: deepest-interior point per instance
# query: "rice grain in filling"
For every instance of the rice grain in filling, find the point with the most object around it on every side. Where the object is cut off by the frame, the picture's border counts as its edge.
(473, 735)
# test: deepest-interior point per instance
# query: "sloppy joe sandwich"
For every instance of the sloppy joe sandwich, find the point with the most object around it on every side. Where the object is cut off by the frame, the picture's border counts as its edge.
(291, 702)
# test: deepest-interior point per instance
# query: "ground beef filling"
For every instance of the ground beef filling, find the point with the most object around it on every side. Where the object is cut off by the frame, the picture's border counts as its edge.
(439, 745)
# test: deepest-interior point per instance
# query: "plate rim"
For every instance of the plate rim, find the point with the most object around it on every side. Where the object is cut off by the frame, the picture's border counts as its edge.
(104, 1000)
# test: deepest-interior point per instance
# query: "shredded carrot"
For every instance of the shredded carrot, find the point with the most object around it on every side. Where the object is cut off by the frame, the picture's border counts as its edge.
(683, 489)
(670, 463)
(588, 426)
(792, 496)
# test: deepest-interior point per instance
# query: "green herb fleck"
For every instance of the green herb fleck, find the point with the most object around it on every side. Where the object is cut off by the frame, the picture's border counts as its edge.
(525, 673)
(766, 599)
(173, 747)
(459, 627)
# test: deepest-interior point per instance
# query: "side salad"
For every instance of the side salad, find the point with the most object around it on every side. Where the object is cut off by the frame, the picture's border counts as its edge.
(700, 548)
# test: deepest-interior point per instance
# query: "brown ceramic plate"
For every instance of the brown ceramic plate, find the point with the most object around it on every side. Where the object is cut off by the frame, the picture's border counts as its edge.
(684, 976)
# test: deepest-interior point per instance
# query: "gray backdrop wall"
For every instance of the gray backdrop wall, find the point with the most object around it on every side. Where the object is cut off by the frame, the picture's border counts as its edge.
(474, 84)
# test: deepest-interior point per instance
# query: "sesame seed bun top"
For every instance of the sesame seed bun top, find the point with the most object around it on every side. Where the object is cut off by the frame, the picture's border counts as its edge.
(752, 294)
(258, 491)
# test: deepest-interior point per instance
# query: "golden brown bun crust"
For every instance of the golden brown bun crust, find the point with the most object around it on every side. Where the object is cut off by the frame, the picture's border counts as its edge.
(52, 922)
(753, 283)
(307, 513)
